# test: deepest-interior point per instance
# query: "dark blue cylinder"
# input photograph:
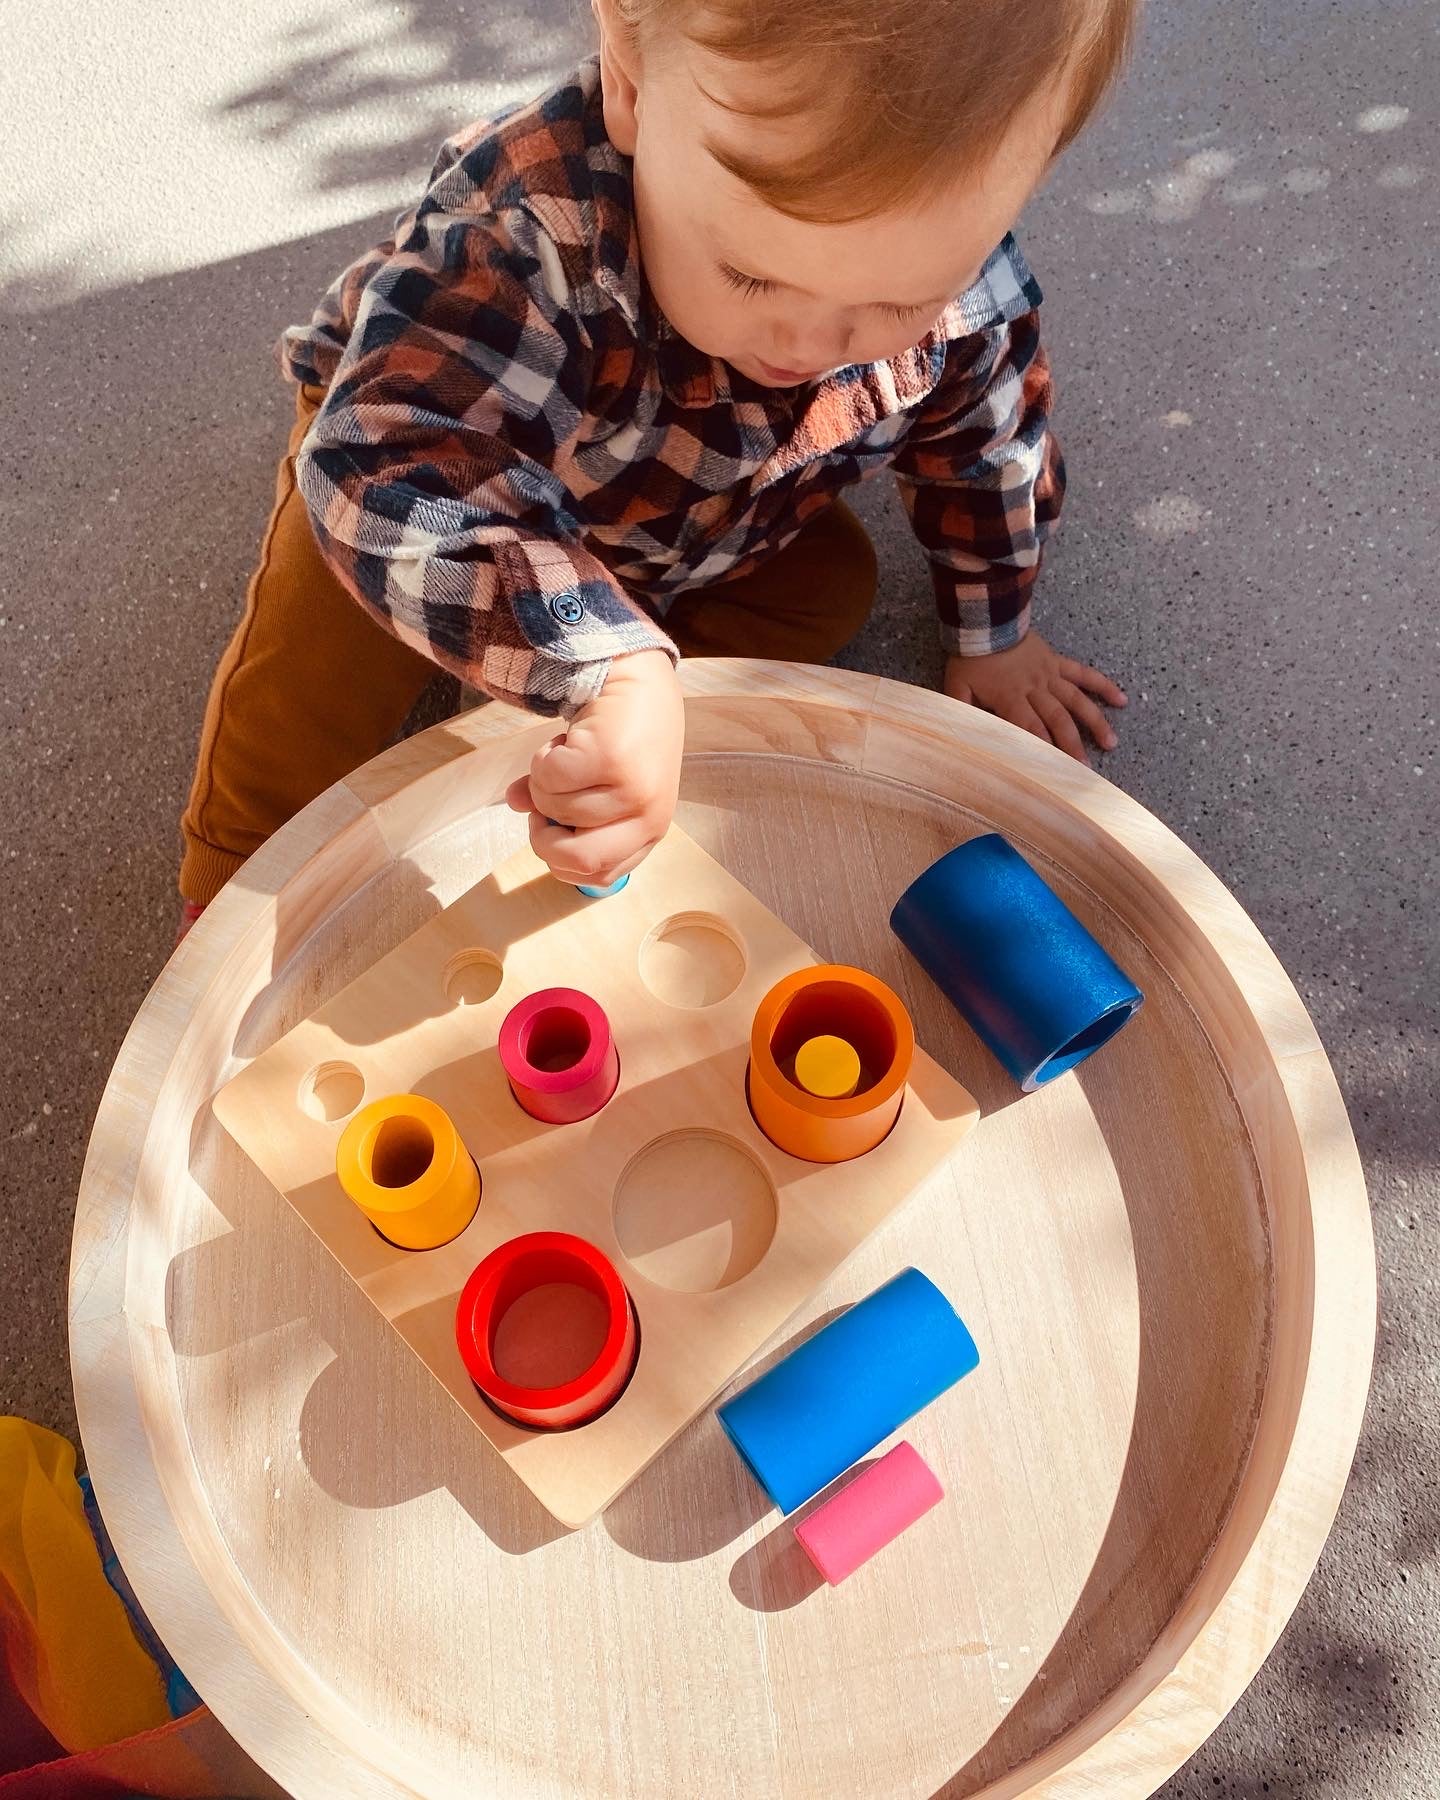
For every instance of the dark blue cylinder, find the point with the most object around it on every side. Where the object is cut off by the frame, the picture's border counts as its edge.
(1010, 956)
(844, 1391)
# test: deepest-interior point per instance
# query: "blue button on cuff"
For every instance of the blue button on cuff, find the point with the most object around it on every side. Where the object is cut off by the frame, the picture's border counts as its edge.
(567, 609)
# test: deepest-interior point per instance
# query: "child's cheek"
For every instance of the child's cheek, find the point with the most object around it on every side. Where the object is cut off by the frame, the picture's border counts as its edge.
(719, 321)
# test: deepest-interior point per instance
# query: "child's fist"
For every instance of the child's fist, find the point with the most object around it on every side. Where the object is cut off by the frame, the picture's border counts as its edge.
(601, 797)
(1033, 686)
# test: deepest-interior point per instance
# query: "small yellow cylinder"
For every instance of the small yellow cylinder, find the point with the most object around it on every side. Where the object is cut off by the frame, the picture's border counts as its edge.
(827, 1067)
(401, 1161)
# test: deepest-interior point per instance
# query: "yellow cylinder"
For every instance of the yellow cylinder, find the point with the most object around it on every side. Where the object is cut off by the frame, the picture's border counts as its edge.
(401, 1161)
(828, 1068)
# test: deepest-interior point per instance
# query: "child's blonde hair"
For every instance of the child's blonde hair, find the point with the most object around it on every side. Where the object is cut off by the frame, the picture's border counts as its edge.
(904, 94)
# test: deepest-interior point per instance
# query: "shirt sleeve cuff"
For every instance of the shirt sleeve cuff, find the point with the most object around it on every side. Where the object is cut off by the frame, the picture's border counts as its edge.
(561, 624)
(559, 686)
(981, 623)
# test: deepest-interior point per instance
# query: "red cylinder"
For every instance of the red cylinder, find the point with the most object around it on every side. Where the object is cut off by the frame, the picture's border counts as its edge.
(542, 1259)
(558, 1055)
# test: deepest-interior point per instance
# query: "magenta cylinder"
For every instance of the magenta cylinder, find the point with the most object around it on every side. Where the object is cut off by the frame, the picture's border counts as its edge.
(559, 1056)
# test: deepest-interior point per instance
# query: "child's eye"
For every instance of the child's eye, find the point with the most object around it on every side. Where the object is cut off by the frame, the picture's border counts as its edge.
(905, 313)
(748, 285)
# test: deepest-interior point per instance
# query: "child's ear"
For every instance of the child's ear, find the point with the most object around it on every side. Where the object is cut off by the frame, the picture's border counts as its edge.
(619, 75)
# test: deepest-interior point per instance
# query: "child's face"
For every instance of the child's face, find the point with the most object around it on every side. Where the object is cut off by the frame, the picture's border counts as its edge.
(779, 299)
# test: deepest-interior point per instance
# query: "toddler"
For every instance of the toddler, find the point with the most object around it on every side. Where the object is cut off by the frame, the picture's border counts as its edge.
(591, 407)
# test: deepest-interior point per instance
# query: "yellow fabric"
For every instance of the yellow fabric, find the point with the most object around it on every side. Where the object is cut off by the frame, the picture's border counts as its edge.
(73, 1656)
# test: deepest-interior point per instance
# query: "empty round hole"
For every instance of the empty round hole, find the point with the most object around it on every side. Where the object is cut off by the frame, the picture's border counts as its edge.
(331, 1091)
(694, 1212)
(472, 977)
(555, 1039)
(401, 1152)
(692, 960)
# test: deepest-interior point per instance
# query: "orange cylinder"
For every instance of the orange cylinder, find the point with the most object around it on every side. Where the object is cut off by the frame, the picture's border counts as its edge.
(829, 1001)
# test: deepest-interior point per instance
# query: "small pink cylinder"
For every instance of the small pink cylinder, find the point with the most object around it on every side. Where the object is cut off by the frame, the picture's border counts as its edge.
(869, 1513)
(558, 1055)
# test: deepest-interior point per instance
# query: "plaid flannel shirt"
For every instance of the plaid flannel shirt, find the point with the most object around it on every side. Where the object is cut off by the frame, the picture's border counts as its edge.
(515, 445)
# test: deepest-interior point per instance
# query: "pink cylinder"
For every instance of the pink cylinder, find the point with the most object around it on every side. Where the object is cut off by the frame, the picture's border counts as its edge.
(869, 1513)
(558, 1055)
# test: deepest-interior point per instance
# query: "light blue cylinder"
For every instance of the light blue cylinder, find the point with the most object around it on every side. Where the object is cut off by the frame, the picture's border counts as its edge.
(843, 1391)
(1013, 959)
(599, 893)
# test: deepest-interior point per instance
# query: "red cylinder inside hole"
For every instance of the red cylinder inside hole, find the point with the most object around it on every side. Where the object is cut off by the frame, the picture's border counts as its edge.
(547, 1331)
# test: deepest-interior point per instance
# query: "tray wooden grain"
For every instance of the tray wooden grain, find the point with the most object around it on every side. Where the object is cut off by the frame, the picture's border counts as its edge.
(718, 1235)
(1166, 1254)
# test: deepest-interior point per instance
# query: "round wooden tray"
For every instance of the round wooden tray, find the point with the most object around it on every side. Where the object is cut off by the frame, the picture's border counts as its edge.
(1166, 1259)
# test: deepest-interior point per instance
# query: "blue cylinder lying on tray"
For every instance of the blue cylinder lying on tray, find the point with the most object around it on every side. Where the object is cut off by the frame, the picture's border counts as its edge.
(1013, 959)
(843, 1391)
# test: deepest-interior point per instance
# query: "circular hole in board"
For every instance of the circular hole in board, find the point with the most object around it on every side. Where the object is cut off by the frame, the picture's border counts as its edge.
(692, 960)
(694, 1211)
(332, 1090)
(472, 977)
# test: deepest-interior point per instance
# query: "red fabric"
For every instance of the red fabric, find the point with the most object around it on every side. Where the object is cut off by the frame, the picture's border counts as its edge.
(186, 1759)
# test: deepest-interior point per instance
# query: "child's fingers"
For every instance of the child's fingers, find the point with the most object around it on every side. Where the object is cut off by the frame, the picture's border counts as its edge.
(553, 844)
(596, 857)
(583, 811)
(569, 765)
(1093, 681)
(1083, 708)
(1061, 726)
(1023, 714)
(517, 796)
(584, 855)
(608, 876)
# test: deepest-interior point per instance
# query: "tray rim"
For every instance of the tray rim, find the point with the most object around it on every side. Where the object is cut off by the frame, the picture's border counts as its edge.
(127, 1394)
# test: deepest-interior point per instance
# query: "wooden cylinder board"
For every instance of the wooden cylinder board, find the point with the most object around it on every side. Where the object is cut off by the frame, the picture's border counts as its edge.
(1167, 1256)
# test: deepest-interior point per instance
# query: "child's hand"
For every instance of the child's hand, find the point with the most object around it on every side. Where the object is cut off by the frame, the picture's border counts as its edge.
(1033, 686)
(610, 783)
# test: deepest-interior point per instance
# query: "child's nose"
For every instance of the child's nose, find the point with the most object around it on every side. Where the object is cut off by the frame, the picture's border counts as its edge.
(813, 347)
